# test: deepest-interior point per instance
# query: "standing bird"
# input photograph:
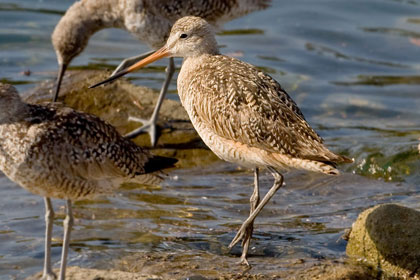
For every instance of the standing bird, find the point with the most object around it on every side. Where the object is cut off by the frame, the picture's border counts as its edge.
(243, 115)
(56, 152)
(139, 17)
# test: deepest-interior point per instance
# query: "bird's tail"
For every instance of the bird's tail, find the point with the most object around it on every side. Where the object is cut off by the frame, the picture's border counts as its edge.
(157, 163)
(153, 174)
(249, 6)
(317, 164)
(328, 163)
(146, 179)
(242, 8)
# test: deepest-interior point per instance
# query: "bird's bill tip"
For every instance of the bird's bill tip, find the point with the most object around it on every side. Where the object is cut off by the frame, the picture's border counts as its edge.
(110, 79)
(161, 53)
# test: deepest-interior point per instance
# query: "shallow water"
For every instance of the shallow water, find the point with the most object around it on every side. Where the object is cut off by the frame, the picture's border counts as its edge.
(352, 67)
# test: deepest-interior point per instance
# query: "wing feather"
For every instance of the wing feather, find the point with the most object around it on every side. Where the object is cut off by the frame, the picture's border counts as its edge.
(85, 146)
(245, 105)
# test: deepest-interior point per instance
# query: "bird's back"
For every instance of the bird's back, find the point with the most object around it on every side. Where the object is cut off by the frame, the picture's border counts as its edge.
(213, 11)
(148, 20)
(151, 20)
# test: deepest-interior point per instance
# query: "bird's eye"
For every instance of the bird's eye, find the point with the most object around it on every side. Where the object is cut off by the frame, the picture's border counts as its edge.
(183, 36)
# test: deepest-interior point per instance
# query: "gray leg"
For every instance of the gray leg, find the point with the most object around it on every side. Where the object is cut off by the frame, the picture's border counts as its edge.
(130, 61)
(150, 125)
(254, 200)
(48, 274)
(68, 223)
(278, 182)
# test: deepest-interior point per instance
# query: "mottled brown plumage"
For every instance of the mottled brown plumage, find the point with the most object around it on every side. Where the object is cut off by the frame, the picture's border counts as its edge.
(148, 20)
(242, 114)
(57, 152)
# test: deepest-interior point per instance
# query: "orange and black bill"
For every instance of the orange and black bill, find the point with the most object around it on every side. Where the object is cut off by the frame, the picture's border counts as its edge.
(163, 52)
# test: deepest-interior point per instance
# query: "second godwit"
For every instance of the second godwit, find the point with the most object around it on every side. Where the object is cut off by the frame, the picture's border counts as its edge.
(243, 115)
(56, 152)
(139, 17)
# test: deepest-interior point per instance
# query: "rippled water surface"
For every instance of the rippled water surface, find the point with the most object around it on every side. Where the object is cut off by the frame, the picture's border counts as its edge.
(352, 66)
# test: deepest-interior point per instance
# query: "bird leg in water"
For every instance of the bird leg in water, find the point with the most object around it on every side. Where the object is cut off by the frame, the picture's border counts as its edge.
(68, 223)
(254, 200)
(278, 182)
(130, 61)
(150, 125)
(48, 274)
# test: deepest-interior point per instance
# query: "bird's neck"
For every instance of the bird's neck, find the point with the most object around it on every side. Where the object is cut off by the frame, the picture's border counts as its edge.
(205, 49)
(209, 46)
(80, 22)
(190, 66)
(97, 14)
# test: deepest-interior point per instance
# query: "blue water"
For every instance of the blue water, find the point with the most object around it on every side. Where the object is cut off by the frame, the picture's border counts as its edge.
(353, 68)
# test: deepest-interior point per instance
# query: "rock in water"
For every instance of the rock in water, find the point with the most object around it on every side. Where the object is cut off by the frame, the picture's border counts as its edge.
(387, 237)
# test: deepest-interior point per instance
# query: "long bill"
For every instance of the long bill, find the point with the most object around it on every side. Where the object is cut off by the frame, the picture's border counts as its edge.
(62, 69)
(161, 53)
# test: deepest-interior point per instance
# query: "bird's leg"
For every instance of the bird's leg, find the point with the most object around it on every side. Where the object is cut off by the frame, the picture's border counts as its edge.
(48, 274)
(150, 125)
(68, 223)
(130, 61)
(254, 200)
(278, 182)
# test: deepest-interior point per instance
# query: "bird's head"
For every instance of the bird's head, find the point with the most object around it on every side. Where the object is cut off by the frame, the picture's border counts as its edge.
(190, 36)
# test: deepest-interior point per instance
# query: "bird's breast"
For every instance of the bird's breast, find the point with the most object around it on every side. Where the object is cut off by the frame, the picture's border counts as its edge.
(225, 148)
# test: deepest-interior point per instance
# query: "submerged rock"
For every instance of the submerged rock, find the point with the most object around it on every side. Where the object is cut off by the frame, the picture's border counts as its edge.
(215, 266)
(78, 273)
(387, 237)
(169, 266)
(121, 99)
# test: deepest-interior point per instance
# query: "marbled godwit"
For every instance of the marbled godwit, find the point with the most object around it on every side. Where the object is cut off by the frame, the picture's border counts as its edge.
(61, 153)
(139, 17)
(242, 114)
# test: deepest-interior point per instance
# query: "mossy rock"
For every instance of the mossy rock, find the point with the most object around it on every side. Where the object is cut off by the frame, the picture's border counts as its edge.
(387, 237)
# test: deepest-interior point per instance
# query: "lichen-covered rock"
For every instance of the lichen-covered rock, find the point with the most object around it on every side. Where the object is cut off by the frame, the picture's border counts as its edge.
(387, 237)
(117, 101)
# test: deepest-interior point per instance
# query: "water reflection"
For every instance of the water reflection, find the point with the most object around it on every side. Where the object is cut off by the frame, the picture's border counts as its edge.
(372, 80)
(11, 7)
(323, 50)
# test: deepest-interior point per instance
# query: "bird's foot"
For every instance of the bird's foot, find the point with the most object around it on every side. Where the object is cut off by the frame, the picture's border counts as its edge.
(149, 126)
(244, 261)
(49, 276)
(239, 235)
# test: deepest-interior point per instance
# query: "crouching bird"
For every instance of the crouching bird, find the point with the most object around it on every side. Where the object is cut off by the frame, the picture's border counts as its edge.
(57, 152)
